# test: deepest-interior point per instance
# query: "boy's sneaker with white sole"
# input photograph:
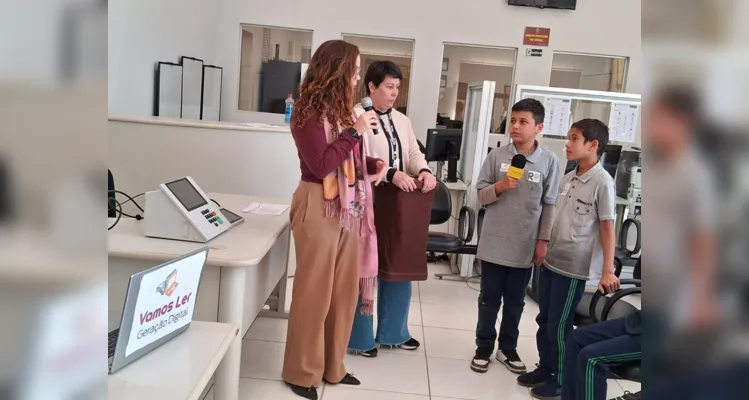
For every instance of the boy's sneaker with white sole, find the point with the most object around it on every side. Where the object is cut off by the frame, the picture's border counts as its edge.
(511, 360)
(480, 362)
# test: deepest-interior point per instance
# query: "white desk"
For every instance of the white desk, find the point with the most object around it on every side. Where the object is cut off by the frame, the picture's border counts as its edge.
(249, 261)
(178, 370)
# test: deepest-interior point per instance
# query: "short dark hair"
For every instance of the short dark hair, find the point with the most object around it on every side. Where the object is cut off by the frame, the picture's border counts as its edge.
(593, 129)
(378, 71)
(532, 106)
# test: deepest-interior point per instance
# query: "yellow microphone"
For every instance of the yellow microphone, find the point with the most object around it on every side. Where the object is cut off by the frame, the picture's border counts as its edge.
(517, 165)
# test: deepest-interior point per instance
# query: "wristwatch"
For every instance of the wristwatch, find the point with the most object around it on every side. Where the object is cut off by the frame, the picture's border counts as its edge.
(390, 174)
(353, 133)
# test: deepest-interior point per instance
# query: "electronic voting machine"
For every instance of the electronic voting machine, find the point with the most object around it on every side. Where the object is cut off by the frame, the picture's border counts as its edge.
(180, 210)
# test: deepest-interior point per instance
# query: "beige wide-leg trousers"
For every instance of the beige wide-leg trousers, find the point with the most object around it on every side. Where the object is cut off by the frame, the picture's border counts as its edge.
(326, 289)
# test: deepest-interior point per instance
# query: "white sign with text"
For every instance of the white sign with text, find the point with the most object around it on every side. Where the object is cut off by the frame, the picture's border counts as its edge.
(165, 302)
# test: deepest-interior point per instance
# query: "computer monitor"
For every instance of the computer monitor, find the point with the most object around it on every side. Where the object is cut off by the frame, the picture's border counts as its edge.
(444, 145)
(610, 158)
(627, 160)
(571, 165)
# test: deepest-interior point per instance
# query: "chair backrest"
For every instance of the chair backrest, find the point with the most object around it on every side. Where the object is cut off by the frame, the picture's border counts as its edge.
(442, 205)
(624, 235)
(111, 212)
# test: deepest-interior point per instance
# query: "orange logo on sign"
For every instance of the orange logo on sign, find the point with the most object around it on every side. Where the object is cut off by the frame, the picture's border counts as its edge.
(169, 285)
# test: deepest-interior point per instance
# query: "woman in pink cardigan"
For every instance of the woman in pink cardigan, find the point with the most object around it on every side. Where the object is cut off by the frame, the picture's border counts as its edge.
(396, 144)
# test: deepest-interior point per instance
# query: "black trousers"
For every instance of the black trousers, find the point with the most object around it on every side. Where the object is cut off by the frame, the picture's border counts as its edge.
(590, 351)
(498, 283)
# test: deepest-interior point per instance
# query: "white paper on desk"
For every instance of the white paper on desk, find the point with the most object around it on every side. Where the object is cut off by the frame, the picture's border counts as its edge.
(266, 209)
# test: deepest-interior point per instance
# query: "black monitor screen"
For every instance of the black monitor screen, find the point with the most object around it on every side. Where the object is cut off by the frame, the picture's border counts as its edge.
(442, 143)
(610, 158)
(563, 4)
(627, 160)
(186, 193)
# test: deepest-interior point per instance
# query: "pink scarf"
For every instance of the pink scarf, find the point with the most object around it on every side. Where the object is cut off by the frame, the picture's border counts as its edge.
(348, 197)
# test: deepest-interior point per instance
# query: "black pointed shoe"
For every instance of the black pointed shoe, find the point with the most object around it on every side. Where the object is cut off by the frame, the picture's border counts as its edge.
(347, 380)
(301, 391)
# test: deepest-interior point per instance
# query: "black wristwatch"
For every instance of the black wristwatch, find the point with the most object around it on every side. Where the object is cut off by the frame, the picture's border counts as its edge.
(390, 174)
(353, 133)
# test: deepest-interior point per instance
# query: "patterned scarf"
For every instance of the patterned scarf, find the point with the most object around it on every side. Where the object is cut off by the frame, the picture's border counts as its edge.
(348, 197)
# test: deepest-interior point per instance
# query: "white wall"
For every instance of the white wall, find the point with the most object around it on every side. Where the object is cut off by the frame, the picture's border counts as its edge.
(491, 23)
(143, 32)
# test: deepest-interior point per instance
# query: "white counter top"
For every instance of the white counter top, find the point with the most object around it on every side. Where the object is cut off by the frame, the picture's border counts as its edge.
(244, 245)
(178, 370)
(193, 123)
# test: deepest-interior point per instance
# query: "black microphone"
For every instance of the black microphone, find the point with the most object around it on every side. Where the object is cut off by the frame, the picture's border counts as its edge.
(517, 165)
(367, 104)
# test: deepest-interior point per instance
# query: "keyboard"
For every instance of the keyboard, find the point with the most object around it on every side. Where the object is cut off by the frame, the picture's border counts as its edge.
(112, 341)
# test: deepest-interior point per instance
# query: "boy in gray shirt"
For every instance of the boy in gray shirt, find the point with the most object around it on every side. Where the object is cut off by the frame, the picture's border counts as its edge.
(581, 247)
(517, 226)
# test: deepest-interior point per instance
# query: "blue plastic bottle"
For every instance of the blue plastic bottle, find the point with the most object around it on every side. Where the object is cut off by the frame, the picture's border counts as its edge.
(289, 108)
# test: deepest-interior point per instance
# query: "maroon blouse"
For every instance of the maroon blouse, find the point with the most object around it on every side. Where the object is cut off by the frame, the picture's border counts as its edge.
(317, 158)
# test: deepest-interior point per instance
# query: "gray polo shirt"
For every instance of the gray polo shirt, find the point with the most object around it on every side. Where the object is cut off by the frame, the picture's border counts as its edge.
(510, 229)
(575, 247)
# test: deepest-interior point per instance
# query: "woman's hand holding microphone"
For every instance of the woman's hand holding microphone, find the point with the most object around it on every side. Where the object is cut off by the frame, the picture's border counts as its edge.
(365, 122)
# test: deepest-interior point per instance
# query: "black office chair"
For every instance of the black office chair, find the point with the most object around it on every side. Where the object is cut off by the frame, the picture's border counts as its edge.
(595, 307)
(623, 255)
(439, 242)
(6, 197)
(112, 212)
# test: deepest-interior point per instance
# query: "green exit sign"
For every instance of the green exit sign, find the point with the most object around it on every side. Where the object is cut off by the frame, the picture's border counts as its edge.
(534, 52)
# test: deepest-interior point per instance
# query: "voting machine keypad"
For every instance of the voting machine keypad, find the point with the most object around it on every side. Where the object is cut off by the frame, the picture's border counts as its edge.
(212, 217)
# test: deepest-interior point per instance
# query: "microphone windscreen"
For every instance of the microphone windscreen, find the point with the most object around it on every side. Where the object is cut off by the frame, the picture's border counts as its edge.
(518, 161)
(366, 103)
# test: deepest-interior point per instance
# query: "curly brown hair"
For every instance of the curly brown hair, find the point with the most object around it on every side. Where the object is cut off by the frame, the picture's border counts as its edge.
(326, 90)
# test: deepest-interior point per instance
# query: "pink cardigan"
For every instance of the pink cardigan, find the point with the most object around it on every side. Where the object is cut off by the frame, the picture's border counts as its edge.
(378, 147)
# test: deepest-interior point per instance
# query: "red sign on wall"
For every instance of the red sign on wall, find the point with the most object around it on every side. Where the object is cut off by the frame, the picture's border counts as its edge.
(536, 36)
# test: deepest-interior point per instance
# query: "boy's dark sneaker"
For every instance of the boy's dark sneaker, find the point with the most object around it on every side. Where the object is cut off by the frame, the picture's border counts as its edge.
(511, 360)
(547, 391)
(535, 378)
(480, 362)
(412, 344)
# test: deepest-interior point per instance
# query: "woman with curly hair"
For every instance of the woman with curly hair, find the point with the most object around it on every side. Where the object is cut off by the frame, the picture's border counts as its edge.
(332, 221)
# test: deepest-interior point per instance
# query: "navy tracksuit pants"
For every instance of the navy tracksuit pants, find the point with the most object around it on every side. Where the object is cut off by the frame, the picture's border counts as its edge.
(589, 352)
(558, 298)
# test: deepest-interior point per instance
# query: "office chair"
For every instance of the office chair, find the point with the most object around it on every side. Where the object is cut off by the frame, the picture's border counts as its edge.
(6, 206)
(438, 242)
(111, 211)
(595, 308)
(622, 254)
